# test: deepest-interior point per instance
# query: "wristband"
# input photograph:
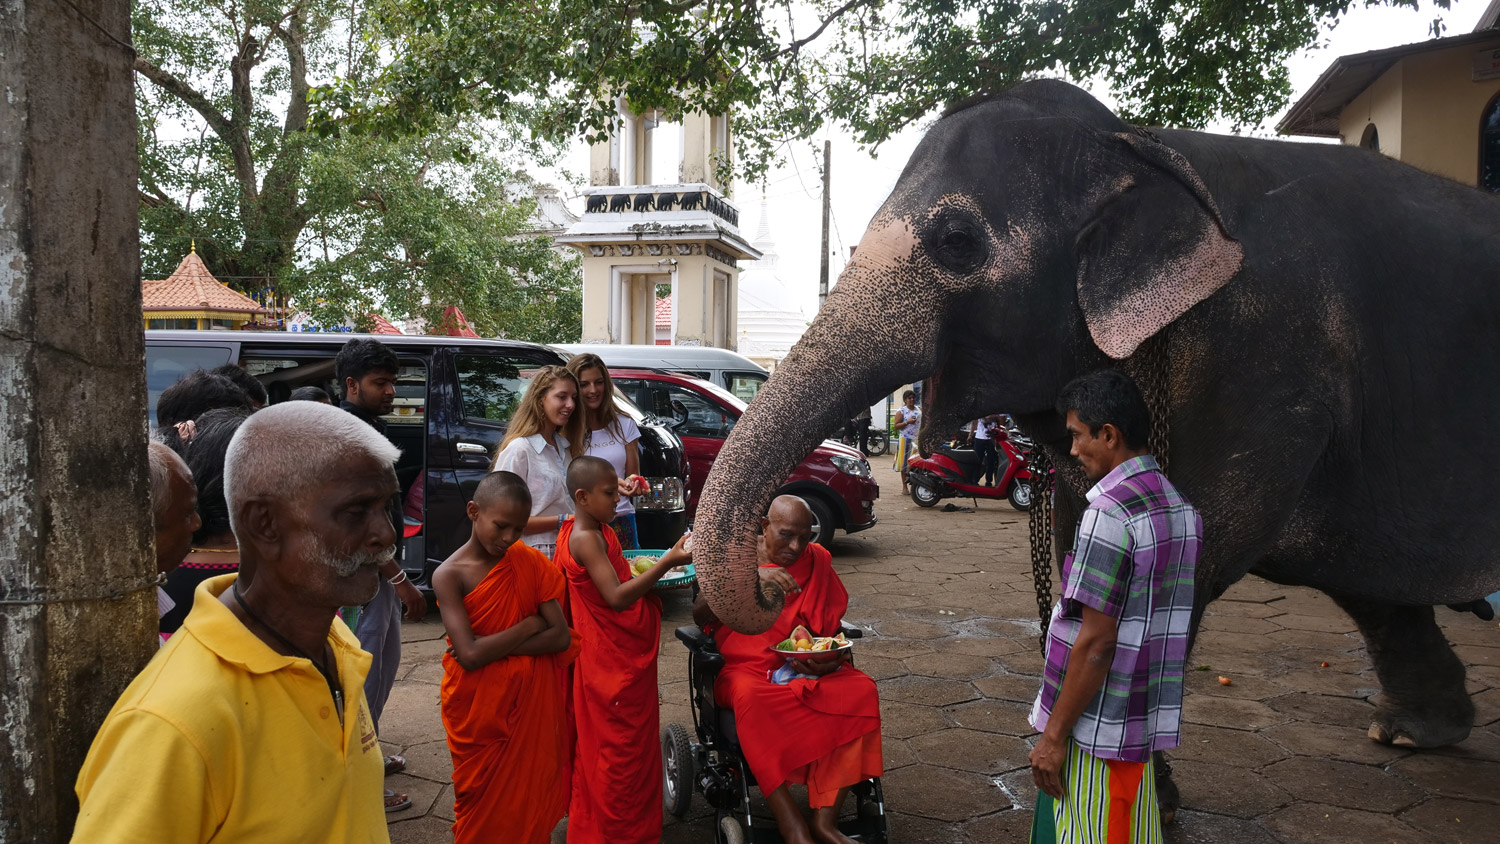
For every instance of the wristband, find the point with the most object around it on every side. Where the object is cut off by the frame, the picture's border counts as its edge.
(398, 579)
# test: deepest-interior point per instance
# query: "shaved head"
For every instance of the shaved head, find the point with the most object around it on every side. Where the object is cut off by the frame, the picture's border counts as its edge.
(791, 511)
(502, 486)
(786, 531)
(587, 473)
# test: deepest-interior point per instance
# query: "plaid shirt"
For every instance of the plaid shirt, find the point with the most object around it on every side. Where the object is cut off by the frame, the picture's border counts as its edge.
(1137, 547)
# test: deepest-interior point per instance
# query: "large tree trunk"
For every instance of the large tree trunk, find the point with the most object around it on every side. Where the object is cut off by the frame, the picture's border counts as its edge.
(76, 520)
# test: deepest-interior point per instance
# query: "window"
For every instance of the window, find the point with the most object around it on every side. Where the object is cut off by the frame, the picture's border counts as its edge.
(745, 385)
(490, 386)
(1489, 147)
(188, 323)
(165, 366)
(687, 412)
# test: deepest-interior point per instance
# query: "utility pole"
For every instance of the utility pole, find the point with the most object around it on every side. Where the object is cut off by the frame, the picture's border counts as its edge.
(823, 265)
(77, 572)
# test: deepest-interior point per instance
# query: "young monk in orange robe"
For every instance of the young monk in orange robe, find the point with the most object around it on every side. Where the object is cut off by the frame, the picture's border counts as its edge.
(617, 769)
(503, 701)
(822, 729)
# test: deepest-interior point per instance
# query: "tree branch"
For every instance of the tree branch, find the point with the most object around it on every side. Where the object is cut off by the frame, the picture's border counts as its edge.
(188, 94)
(837, 13)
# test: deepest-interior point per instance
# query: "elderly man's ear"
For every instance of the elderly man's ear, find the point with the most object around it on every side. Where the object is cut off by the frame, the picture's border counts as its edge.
(257, 527)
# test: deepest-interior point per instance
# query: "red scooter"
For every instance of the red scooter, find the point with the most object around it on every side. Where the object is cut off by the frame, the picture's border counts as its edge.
(955, 473)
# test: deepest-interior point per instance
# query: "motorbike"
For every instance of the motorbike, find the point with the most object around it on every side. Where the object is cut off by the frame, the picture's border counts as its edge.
(955, 473)
(877, 441)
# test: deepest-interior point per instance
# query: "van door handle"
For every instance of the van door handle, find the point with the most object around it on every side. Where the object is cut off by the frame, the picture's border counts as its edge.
(472, 448)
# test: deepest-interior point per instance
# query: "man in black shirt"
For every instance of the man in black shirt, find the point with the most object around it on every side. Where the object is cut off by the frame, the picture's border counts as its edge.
(367, 369)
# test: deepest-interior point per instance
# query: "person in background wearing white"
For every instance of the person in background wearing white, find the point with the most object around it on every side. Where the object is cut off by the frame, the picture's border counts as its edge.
(613, 436)
(908, 422)
(544, 436)
(982, 440)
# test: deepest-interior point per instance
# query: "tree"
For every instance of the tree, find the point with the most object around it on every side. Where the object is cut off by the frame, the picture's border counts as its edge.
(403, 227)
(401, 224)
(791, 66)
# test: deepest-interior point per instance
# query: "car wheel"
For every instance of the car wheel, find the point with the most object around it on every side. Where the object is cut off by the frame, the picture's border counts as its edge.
(824, 525)
(1020, 495)
(924, 495)
(676, 769)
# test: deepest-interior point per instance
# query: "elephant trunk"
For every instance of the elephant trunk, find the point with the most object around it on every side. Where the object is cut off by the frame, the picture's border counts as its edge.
(850, 356)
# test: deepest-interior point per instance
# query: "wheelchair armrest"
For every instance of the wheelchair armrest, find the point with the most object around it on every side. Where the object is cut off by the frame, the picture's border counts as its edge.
(693, 636)
(850, 631)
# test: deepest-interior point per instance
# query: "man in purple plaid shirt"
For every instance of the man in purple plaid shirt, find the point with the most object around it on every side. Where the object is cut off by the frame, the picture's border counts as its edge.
(1112, 686)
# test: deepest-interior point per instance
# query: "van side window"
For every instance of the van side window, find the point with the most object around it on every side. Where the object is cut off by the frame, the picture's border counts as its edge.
(165, 366)
(696, 416)
(490, 386)
(744, 384)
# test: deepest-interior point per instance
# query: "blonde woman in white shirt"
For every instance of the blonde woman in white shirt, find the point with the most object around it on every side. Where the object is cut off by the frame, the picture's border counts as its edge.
(544, 436)
(612, 436)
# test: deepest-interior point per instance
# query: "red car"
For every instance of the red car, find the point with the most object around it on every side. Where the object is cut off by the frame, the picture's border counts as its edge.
(834, 479)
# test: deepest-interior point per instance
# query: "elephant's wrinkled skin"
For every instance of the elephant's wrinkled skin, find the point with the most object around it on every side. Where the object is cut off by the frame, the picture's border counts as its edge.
(1331, 319)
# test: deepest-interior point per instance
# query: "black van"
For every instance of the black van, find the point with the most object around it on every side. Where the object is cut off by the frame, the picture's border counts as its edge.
(454, 397)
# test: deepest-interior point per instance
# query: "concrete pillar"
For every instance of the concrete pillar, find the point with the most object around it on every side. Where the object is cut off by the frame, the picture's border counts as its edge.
(73, 492)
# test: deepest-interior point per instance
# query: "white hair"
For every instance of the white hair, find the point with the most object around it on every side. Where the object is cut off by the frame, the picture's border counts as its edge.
(286, 448)
(161, 461)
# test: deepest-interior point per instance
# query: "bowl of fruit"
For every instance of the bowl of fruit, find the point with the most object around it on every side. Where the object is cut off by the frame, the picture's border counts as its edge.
(805, 646)
(644, 558)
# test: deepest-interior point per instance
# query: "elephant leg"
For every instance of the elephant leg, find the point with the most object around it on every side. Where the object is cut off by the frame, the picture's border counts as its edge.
(1168, 798)
(1425, 703)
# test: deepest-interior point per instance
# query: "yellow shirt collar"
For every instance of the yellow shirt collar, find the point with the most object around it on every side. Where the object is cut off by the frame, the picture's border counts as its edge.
(212, 623)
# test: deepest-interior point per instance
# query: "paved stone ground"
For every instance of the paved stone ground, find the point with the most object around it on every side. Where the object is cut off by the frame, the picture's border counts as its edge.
(1279, 755)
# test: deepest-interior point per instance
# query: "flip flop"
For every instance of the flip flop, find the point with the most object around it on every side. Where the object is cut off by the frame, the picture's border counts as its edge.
(396, 802)
(394, 764)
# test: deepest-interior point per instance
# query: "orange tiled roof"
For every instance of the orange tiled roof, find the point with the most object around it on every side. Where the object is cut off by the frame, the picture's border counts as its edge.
(664, 313)
(383, 325)
(455, 324)
(191, 287)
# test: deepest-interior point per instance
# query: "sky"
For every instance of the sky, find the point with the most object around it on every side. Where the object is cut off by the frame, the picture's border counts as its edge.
(861, 181)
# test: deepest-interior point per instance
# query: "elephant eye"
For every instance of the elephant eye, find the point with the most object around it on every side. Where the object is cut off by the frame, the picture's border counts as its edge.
(958, 245)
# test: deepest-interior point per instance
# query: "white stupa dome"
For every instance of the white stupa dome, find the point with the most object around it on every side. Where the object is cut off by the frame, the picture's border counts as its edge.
(771, 318)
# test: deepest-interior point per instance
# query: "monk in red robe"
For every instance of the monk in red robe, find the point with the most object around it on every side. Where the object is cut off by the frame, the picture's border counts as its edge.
(617, 770)
(503, 701)
(821, 729)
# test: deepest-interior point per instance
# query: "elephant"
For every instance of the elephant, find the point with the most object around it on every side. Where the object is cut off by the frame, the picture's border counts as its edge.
(619, 202)
(596, 203)
(1322, 320)
(643, 202)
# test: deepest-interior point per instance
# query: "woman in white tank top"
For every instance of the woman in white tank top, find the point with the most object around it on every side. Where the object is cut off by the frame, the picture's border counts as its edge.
(612, 436)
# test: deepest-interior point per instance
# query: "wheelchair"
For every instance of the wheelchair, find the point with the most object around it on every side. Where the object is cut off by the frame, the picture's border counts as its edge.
(715, 766)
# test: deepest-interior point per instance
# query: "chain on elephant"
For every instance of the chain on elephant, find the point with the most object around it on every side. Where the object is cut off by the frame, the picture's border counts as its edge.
(1150, 366)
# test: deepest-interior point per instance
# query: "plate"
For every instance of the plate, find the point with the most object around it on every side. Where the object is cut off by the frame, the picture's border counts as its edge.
(813, 656)
(671, 580)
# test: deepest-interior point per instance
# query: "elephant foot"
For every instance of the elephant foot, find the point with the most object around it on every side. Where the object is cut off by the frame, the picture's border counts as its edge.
(1425, 703)
(1435, 726)
(1168, 798)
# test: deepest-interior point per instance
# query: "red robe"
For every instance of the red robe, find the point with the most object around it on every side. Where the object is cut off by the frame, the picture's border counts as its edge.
(506, 726)
(617, 765)
(785, 729)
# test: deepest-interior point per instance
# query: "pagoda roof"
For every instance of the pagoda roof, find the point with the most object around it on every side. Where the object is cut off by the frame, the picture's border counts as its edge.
(381, 325)
(191, 288)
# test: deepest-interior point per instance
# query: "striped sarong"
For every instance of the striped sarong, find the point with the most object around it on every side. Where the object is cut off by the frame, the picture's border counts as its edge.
(904, 448)
(1107, 802)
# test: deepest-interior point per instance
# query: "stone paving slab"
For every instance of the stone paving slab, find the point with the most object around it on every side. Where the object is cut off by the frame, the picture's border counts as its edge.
(1277, 755)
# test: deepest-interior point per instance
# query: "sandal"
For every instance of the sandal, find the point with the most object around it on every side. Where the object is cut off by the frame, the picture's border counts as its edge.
(396, 802)
(394, 764)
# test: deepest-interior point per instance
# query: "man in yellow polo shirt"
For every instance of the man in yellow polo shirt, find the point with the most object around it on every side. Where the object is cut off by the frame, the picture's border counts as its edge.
(251, 726)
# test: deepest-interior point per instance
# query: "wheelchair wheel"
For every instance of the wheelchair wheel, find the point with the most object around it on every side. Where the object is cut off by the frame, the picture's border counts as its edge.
(676, 769)
(730, 831)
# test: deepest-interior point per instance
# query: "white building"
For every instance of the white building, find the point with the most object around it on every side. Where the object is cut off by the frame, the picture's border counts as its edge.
(771, 314)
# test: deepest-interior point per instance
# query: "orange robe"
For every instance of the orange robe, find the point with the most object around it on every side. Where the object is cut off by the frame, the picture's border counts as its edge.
(820, 731)
(617, 764)
(506, 725)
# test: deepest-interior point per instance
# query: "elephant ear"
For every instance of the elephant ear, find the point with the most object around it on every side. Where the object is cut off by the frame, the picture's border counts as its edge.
(1156, 247)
